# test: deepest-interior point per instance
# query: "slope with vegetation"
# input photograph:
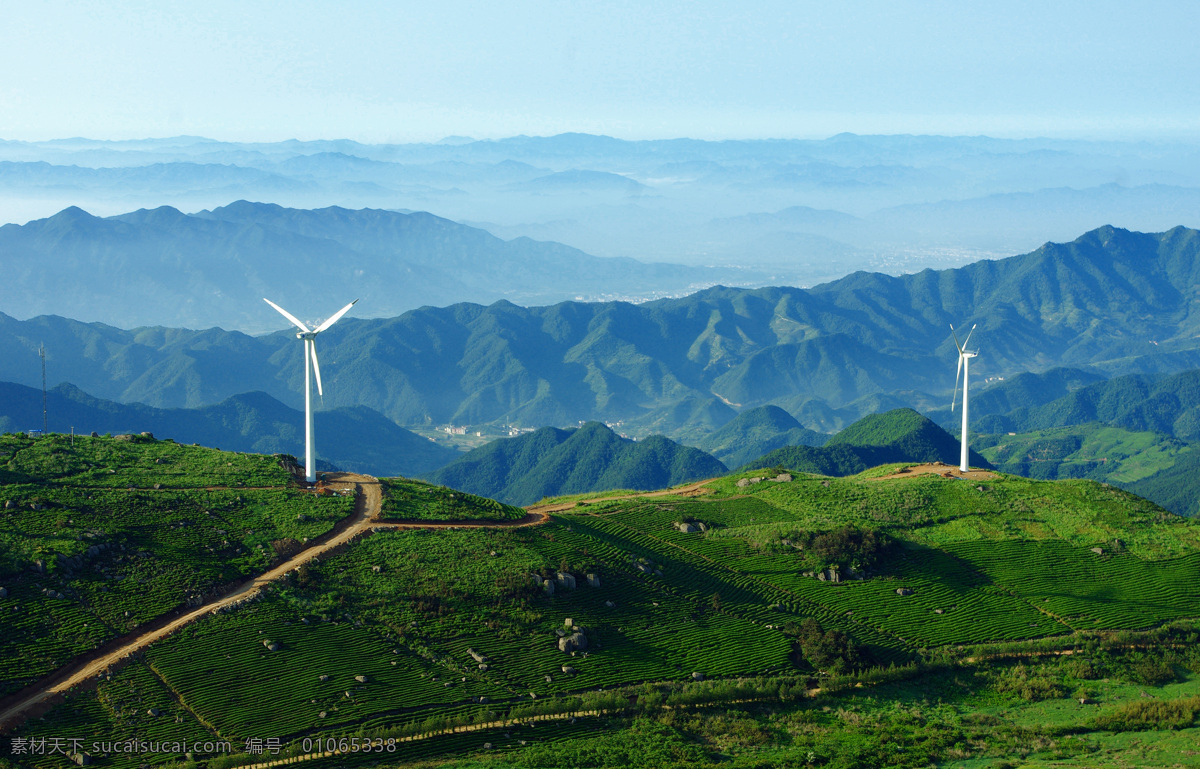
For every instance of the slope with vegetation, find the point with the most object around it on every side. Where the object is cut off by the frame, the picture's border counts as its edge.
(900, 435)
(755, 432)
(550, 462)
(351, 438)
(603, 621)
(101, 535)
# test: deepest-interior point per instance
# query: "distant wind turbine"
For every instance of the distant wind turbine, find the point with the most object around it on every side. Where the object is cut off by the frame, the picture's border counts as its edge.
(310, 354)
(964, 368)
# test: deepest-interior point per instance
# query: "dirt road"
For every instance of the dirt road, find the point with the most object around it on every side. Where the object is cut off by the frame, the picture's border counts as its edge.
(42, 694)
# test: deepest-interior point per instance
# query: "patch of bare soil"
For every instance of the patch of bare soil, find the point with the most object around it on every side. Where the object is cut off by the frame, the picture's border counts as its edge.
(944, 470)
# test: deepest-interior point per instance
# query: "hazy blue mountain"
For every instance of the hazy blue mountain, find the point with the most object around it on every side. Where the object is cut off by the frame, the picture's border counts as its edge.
(755, 432)
(1023, 391)
(550, 462)
(356, 438)
(901, 435)
(161, 266)
(917, 201)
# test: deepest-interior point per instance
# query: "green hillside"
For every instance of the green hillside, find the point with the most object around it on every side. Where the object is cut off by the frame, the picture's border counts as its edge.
(415, 632)
(550, 462)
(1095, 451)
(101, 535)
(356, 438)
(755, 432)
(900, 435)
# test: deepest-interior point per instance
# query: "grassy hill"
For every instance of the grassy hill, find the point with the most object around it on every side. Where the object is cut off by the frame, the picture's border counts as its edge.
(755, 432)
(900, 435)
(418, 631)
(1095, 451)
(101, 535)
(351, 438)
(550, 462)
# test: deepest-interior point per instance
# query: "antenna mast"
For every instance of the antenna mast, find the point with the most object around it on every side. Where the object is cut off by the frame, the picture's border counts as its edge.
(45, 423)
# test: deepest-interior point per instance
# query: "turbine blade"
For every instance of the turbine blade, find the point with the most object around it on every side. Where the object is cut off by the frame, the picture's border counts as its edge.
(334, 318)
(968, 339)
(955, 335)
(287, 315)
(312, 351)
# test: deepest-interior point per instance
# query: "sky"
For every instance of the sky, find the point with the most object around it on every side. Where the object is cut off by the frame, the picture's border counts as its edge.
(243, 70)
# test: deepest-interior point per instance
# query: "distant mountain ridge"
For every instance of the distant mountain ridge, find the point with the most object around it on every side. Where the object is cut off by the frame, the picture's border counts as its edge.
(551, 462)
(1114, 301)
(161, 266)
(357, 438)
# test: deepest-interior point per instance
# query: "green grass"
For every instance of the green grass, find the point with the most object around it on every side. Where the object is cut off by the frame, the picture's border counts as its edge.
(405, 499)
(1005, 561)
(1092, 451)
(116, 558)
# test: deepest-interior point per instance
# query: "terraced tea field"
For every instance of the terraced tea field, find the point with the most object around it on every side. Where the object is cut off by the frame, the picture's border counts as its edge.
(411, 630)
(99, 536)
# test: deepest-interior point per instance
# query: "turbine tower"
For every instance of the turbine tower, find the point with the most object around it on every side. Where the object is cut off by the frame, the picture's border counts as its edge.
(310, 354)
(964, 368)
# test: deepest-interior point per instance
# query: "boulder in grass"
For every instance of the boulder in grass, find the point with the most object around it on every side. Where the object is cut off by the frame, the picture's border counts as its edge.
(574, 642)
(697, 676)
(273, 646)
(322, 678)
(593, 580)
(477, 656)
(1098, 550)
(155, 712)
(568, 670)
(904, 591)
(361, 679)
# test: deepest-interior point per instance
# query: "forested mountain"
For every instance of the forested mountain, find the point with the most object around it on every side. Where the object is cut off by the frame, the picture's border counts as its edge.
(350, 438)
(755, 432)
(165, 267)
(549, 462)
(900, 435)
(1114, 301)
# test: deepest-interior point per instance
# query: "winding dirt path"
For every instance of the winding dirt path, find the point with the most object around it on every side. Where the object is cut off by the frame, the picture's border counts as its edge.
(43, 694)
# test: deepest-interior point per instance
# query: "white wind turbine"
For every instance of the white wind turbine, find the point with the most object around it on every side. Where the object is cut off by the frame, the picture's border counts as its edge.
(310, 354)
(964, 368)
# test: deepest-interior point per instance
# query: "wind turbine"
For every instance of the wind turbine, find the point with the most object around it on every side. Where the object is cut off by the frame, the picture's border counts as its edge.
(964, 368)
(310, 354)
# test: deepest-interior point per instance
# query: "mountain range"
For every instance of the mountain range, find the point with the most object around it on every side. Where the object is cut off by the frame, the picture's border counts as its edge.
(800, 211)
(161, 266)
(1112, 302)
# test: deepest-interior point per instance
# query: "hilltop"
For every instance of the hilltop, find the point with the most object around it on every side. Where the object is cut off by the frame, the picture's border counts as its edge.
(899, 435)
(755, 432)
(549, 462)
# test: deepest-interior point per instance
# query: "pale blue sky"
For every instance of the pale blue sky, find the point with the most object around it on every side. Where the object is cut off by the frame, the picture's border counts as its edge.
(398, 71)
